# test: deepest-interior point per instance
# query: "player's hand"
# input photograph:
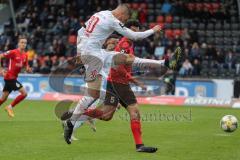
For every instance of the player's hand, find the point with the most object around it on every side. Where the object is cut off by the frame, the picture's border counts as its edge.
(78, 60)
(2, 72)
(144, 88)
(29, 70)
(140, 84)
(157, 28)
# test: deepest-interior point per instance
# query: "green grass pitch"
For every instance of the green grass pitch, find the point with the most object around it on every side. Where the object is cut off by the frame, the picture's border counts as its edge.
(180, 133)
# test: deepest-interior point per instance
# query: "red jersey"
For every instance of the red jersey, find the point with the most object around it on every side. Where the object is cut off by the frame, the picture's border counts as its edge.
(122, 74)
(17, 61)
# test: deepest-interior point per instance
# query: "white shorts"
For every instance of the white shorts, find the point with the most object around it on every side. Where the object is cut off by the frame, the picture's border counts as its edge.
(97, 63)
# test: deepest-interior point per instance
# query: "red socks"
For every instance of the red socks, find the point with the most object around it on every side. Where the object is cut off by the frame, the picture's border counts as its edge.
(136, 131)
(1, 102)
(18, 99)
(94, 113)
(135, 124)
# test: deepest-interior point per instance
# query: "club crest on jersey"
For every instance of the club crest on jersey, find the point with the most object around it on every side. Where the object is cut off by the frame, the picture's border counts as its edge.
(122, 25)
(122, 51)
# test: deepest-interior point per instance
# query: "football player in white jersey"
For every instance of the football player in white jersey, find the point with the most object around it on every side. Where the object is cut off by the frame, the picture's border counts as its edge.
(89, 47)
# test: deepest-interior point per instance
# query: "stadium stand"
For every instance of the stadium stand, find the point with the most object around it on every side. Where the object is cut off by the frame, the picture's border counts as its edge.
(207, 30)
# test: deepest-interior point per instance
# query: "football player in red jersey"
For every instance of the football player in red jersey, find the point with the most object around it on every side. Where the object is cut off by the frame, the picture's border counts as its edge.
(119, 90)
(17, 60)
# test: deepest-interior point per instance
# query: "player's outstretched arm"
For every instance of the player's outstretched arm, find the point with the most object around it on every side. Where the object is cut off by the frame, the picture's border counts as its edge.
(139, 83)
(136, 35)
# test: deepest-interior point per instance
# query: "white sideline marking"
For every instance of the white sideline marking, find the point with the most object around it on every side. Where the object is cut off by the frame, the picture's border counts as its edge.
(223, 134)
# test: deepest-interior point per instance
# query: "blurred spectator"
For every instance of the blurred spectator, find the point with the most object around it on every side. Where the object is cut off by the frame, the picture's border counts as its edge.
(134, 14)
(195, 52)
(219, 60)
(36, 64)
(186, 68)
(44, 69)
(55, 63)
(166, 7)
(168, 54)
(60, 48)
(142, 15)
(185, 44)
(210, 52)
(230, 60)
(57, 28)
(203, 50)
(185, 34)
(196, 67)
(72, 38)
(186, 52)
(31, 54)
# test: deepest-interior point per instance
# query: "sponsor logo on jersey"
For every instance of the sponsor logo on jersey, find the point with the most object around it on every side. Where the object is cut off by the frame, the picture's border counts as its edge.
(17, 84)
(93, 74)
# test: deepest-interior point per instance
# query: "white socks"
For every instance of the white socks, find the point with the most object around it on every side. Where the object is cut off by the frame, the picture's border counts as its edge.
(83, 104)
(78, 124)
(147, 63)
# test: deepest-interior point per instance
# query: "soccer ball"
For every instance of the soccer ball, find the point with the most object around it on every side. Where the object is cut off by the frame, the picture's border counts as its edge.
(229, 123)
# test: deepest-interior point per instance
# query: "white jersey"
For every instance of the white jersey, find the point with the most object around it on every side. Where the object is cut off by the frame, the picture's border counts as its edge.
(99, 27)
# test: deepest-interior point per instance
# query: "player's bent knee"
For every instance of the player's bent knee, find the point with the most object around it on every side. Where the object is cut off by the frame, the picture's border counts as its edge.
(108, 112)
(94, 93)
(134, 113)
(130, 59)
(25, 94)
(93, 88)
(126, 59)
(135, 116)
(106, 118)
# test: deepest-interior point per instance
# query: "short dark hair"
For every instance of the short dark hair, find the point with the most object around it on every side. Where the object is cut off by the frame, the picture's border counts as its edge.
(22, 37)
(132, 22)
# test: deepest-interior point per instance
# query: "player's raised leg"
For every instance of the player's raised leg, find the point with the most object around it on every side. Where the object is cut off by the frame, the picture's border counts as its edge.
(174, 63)
(105, 112)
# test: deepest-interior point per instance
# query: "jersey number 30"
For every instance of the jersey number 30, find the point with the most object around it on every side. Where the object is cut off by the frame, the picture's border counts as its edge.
(92, 24)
